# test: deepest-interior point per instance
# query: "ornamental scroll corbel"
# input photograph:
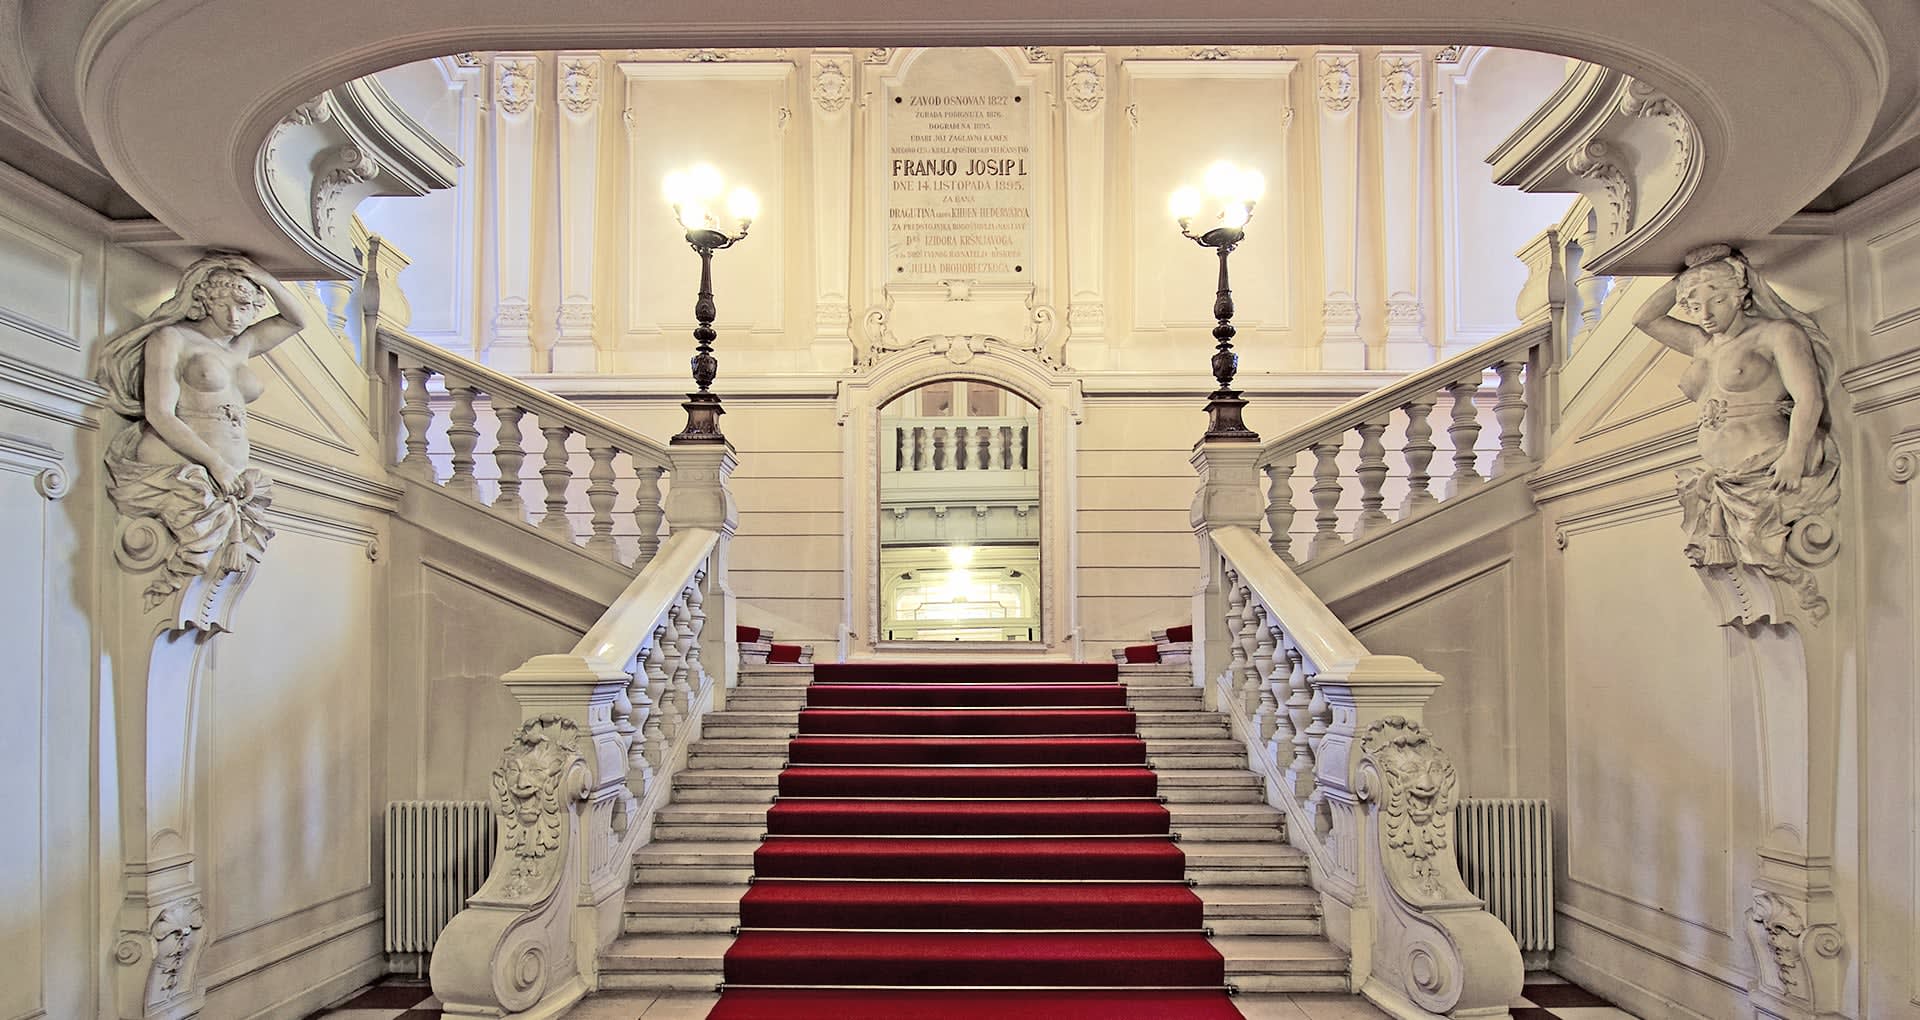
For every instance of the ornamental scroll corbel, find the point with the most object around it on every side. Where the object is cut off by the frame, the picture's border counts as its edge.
(1435, 945)
(513, 943)
(192, 506)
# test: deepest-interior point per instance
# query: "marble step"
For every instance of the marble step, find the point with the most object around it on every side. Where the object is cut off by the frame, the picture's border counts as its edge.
(714, 909)
(1227, 863)
(1287, 963)
(746, 820)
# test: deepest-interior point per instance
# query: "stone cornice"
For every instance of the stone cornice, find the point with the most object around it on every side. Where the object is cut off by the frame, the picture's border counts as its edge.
(49, 393)
(1885, 383)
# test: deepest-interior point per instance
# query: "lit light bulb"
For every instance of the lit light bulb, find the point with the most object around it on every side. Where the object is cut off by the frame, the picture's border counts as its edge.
(959, 555)
(705, 182)
(1184, 204)
(693, 216)
(1223, 180)
(1235, 216)
(743, 205)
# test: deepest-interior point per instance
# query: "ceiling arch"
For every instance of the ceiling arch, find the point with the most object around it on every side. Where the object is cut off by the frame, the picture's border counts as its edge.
(177, 96)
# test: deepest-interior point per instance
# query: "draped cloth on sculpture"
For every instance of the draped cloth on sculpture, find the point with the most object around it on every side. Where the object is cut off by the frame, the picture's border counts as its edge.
(1733, 517)
(214, 533)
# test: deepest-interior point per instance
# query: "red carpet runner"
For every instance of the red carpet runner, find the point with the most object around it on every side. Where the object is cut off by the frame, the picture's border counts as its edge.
(970, 841)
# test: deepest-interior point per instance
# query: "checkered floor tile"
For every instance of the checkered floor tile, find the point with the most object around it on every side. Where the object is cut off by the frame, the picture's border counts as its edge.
(392, 999)
(1547, 997)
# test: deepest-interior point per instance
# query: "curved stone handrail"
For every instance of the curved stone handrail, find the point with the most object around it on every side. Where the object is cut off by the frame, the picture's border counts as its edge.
(607, 724)
(1368, 795)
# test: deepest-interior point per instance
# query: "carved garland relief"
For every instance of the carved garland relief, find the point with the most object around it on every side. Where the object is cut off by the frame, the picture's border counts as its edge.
(541, 769)
(832, 85)
(1337, 73)
(514, 86)
(1399, 82)
(579, 84)
(1085, 86)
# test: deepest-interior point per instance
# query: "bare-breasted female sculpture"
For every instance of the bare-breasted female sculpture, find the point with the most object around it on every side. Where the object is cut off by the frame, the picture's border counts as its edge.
(1760, 374)
(182, 375)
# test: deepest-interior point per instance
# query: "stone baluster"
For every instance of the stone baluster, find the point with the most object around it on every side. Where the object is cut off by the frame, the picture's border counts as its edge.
(1372, 473)
(1236, 655)
(1280, 741)
(418, 418)
(683, 676)
(509, 455)
(1465, 432)
(1300, 714)
(984, 434)
(1023, 446)
(1280, 509)
(899, 447)
(919, 461)
(600, 497)
(962, 444)
(647, 514)
(653, 732)
(1266, 639)
(1246, 683)
(1326, 499)
(697, 616)
(1006, 447)
(462, 436)
(940, 448)
(674, 662)
(1510, 411)
(1419, 452)
(625, 733)
(1320, 714)
(639, 749)
(556, 475)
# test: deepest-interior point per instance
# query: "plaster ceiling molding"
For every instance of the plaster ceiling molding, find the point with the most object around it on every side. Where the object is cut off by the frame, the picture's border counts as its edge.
(578, 83)
(1338, 73)
(332, 152)
(879, 55)
(1450, 54)
(183, 147)
(1211, 53)
(1643, 100)
(467, 59)
(1629, 148)
(1036, 54)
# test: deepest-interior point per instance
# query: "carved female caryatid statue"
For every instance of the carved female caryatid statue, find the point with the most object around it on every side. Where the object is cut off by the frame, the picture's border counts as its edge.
(1760, 374)
(182, 375)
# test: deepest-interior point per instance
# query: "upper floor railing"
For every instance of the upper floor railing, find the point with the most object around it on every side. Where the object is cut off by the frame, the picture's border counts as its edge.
(957, 444)
(441, 394)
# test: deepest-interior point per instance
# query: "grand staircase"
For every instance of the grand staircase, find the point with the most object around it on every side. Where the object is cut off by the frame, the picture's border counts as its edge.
(690, 878)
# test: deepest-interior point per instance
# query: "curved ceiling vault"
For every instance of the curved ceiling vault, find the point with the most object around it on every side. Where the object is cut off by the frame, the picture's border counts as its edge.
(177, 96)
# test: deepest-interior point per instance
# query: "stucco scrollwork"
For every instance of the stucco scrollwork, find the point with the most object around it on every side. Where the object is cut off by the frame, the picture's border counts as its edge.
(1086, 87)
(513, 84)
(1903, 460)
(1598, 161)
(1400, 81)
(579, 84)
(1639, 99)
(1337, 86)
(345, 166)
(176, 936)
(181, 474)
(1765, 495)
(832, 84)
(1417, 792)
(541, 770)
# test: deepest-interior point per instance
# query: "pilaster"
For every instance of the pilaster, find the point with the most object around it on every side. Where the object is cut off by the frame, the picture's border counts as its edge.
(1337, 86)
(577, 85)
(515, 104)
(830, 74)
(1084, 86)
(1402, 80)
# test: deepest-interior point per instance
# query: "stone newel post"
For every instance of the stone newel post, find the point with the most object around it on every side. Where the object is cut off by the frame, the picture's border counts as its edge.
(1228, 495)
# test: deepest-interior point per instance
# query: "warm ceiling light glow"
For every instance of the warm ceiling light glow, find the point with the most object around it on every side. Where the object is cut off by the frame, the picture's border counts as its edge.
(1235, 215)
(705, 182)
(678, 188)
(1253, 186)
(959, 555)
(1223, 180)
(693, 216)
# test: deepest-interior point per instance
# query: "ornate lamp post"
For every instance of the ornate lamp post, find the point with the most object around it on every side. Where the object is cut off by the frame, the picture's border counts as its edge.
(692, 194)
(1230, 194)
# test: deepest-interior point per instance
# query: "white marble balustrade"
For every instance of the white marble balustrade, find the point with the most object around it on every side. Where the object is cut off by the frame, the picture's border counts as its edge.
(475, 442)
(1397, 431)
(918, 445)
